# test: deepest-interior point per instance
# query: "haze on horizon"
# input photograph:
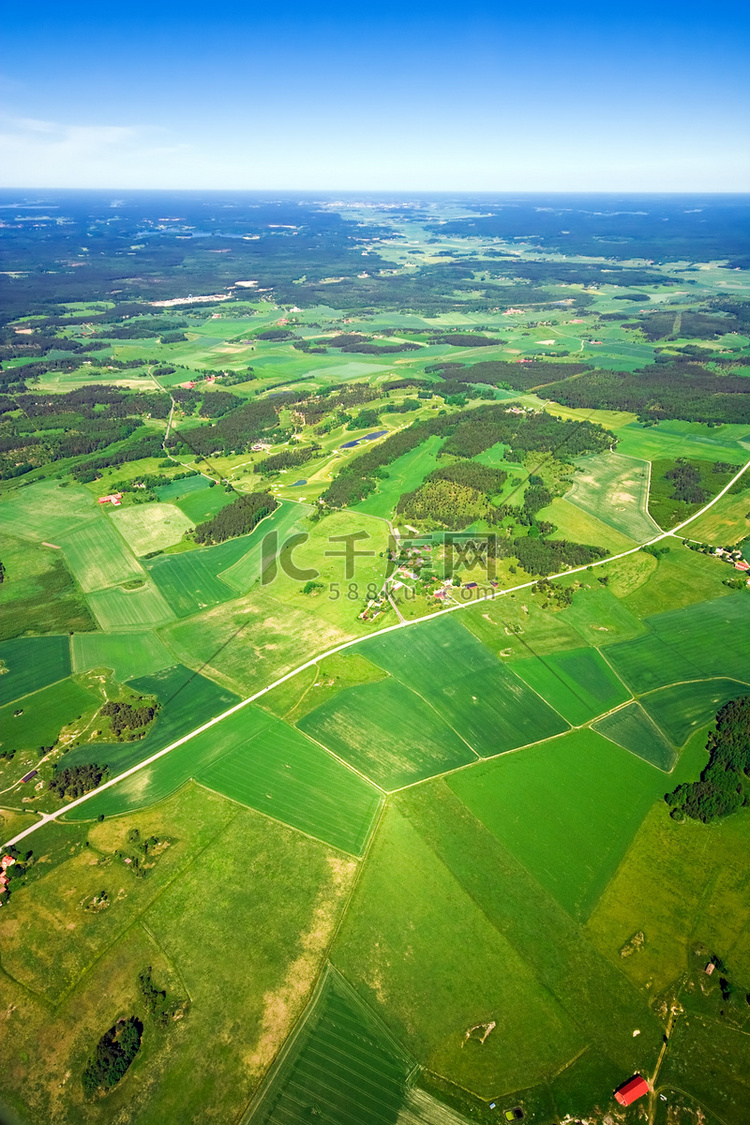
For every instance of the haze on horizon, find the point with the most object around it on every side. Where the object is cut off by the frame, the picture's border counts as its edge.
(582, 97)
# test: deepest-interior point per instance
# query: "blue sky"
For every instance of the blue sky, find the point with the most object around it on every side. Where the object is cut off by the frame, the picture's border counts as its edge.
(412, 97)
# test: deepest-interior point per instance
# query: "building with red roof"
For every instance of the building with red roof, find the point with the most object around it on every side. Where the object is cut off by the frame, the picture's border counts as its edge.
(633, 1089)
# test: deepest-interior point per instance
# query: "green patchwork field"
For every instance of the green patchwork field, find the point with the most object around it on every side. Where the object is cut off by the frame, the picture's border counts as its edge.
(580, 684)
(429, 878)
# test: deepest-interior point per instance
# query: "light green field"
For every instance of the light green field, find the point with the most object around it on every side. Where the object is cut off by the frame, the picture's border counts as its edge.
(727, 523)
(304, 692)
(118, 608)
(46, 510)
(517, 625)
(404, 475)
(249, 642)
(405, 946)
(388, 732)
(547, 805)
(634, 730)
(579, 526)
(98, 557)
(614, 489)
(341, 1057)
(177, 489)
(677, 884)
(264, 900)
(31, 663)
(149, 527)
(126, 654)
(600, 617)
(578, 684)
(260, 762)
(44, 713)
(673, 438)
(189, 582)
(283, 774)
(680, 710)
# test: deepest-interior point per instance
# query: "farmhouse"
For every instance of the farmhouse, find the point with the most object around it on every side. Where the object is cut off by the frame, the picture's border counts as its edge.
(633, 1089)
(115, 498)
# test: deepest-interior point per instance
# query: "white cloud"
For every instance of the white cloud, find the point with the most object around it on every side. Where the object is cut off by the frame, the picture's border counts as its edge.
(49, 153)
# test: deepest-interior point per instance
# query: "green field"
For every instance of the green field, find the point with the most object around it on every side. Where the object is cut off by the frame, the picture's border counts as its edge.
(631, 728)
(177, 489)
(127, 654)
(47, 510)
(387, 732)
(187, 701)
(31, 663)
(404, 475)
(286, 520)
(203, 504)
(149, 527)
(614, 488)
(341, 1064)
(681, 709)
(119, 608)
(38, 594)
(546, 806)
(711, 639)
(578, 684)
(433, 965)
(473, 693)
(44, 713)
(98, 557)
(260, 762)
(579, 526)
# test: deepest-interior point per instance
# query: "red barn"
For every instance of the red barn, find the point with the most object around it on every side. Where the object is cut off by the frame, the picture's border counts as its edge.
(633, 1089)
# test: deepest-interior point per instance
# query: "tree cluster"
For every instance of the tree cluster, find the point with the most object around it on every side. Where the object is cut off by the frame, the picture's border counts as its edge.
(74, 781)
(127, 717)
(720, 790)
(113, 1055)
(238, 518)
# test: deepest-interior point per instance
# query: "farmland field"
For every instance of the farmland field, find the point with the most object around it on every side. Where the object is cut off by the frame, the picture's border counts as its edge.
(127, 654)
(120, 608)
(388, 733)
(342, 1062)
(43, 713)
(615, 490)
(148, 527)
(32, 663)
(579, 684)
(631, 728)
(98, 557)
(472, 691)
(682, 708)
(38, 593)
(544, 805)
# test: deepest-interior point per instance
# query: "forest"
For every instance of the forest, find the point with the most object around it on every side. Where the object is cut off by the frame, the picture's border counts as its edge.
(238, 518)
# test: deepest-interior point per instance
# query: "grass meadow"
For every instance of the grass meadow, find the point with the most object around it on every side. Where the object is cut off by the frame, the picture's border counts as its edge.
(263, 939)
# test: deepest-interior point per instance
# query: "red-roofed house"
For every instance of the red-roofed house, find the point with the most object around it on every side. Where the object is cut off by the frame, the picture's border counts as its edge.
(633, 1089)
